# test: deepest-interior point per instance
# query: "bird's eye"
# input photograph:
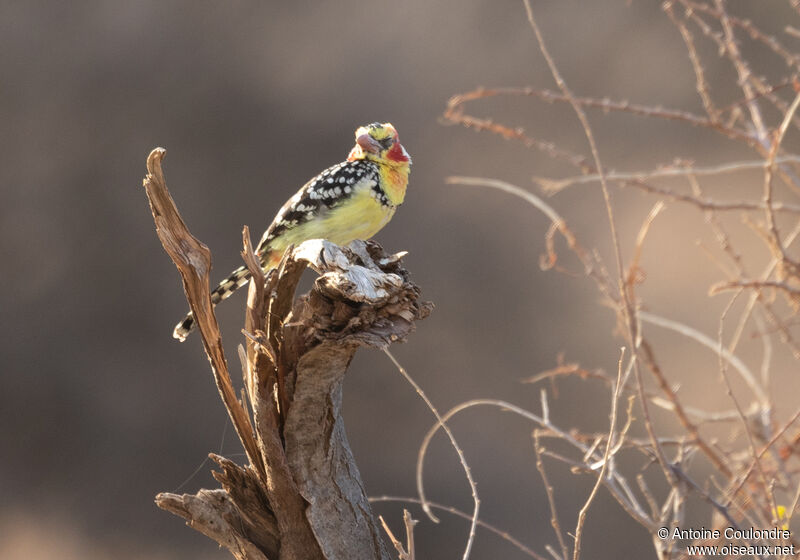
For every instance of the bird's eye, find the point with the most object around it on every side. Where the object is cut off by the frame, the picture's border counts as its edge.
(386, 143)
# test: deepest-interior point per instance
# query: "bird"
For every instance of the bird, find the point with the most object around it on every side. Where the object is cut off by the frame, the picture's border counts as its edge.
(351, 200)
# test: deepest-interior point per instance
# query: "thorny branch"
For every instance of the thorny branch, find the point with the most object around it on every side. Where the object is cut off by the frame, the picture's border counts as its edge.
(755, 469)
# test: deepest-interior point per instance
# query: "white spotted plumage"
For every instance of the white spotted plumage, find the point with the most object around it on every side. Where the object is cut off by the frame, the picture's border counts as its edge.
(351, 200)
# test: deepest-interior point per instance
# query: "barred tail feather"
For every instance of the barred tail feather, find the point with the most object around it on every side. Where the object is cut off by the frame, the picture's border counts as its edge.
(226, 288)
(183, 328)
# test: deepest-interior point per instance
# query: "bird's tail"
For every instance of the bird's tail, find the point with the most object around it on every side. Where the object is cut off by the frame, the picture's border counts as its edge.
(233, 282)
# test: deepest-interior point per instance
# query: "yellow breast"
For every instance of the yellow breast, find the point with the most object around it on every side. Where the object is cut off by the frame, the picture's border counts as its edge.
(394, 181)
(359, 217)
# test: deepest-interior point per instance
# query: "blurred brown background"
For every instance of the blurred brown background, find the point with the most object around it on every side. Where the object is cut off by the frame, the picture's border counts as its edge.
(100, 408)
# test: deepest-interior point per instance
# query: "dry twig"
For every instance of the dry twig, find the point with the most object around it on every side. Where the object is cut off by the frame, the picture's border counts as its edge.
(753, 477)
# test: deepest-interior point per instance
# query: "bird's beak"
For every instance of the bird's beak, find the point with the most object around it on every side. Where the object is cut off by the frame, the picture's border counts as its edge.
(368, 143)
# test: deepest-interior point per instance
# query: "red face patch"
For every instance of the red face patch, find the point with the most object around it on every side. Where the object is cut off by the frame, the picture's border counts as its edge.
(396, 153)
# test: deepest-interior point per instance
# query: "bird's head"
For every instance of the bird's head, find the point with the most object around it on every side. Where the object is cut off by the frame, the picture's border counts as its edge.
(379, 143)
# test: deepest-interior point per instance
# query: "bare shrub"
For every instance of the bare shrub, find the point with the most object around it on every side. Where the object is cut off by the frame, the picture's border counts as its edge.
(749, 478)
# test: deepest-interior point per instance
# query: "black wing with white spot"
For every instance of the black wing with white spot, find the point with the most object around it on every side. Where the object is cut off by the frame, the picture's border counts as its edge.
(325, 191)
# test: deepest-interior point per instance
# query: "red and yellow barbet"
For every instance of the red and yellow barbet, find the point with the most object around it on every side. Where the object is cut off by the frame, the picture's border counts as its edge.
(351, 200)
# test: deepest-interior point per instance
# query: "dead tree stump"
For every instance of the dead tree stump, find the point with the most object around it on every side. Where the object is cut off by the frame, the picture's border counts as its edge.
(300, 497)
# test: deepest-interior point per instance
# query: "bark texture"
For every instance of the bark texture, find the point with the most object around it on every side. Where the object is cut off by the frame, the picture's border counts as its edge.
(300, 497)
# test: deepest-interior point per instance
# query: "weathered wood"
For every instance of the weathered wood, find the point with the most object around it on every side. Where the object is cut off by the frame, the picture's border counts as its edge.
(301, 497)
(213, 513)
